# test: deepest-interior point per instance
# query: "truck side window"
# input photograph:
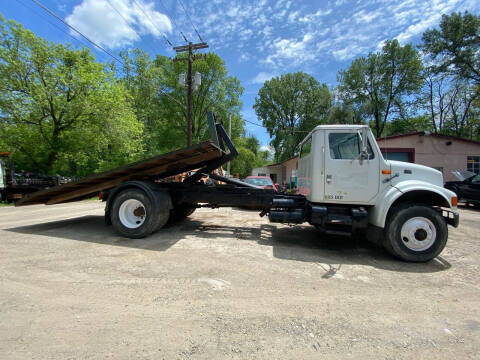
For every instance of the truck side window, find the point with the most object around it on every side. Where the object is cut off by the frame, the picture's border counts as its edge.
(344, 145)
(306, 148)
(347, 146)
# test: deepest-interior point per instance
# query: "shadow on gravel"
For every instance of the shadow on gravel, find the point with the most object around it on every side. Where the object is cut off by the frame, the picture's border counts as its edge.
(297, 243)
(469, 207)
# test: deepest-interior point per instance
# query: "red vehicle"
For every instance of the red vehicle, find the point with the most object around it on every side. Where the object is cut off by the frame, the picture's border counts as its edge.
(262, 181)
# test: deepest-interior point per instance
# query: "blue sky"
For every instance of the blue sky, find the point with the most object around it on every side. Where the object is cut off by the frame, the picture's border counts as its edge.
(257, 39)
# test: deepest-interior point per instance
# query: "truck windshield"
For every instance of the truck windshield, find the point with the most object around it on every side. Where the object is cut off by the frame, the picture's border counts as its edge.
(259, 182)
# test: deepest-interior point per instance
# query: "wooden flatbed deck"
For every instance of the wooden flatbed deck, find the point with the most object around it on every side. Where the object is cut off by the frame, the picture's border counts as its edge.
(155, 168)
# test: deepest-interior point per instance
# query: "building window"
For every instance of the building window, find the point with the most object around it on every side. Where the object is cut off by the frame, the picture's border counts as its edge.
(473, 164)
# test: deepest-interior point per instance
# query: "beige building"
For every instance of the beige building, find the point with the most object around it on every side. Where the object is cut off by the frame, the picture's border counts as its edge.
(280, 173)
(444, 153)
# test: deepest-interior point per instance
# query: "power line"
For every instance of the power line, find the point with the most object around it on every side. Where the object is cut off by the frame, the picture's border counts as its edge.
(190, 19)
(51, 23)
(77, 31)
(126, 22)
(153, 23)
(170, 17)
(251, 122)
(289, 131)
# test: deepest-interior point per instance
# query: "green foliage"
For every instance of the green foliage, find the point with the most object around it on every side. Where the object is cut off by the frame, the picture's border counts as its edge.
(64, 113)
(376, 86)
(290, 106)
(160, 102)
(456, 45)
(408, 125)
(249, 156)
(61, 111)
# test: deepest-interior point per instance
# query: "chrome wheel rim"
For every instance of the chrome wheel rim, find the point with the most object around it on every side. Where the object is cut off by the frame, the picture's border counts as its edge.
(418, 233)
(132, 213)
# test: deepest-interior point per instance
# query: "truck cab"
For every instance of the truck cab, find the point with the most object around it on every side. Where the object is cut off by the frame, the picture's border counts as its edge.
(341, 172)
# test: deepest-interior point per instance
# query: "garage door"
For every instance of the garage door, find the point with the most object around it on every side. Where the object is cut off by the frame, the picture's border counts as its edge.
(399, 154)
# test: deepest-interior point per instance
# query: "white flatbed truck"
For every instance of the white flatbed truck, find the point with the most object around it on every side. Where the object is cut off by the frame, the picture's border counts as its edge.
(345, 186)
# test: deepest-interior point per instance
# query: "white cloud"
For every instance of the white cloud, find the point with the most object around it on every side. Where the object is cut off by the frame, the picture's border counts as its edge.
(292, 17)
(99, 21)
(294, 51)
(314, 17)
(261, 78)
(430, 16)
(288, 35)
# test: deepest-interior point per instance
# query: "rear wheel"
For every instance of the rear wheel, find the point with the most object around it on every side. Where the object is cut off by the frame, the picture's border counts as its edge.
(415, 233)
(134, 215)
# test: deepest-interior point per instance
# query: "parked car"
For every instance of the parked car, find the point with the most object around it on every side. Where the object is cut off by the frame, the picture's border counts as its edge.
(467, 188)
(262, 181)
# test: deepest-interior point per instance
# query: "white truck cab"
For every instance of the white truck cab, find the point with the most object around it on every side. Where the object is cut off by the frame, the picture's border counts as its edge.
(341, 169)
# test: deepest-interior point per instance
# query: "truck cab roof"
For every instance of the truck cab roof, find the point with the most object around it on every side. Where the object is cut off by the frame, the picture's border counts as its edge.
(333, 127)
(339, 127)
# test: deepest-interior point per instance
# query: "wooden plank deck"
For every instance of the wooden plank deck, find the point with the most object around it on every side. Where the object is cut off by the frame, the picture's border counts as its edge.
(157, 167)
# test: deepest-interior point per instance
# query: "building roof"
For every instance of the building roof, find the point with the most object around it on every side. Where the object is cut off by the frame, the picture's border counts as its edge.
(426, 133)
(282, 162)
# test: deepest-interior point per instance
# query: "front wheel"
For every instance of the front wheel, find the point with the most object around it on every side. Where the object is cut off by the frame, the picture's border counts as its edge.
(415, 233)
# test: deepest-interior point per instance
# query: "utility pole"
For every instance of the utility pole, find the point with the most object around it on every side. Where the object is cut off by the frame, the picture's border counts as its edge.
(191, 58)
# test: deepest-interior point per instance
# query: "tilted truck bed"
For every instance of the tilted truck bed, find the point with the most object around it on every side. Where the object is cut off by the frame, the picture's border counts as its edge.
(157, 167)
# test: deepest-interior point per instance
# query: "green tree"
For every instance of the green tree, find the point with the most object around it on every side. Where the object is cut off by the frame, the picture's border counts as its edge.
(60, 110)
(243, 163)
(218, 92)
(456, 45)
(290, 106)
(249, 156)
(408, 125)
(377, 85)
(160, 102)
(143, 80)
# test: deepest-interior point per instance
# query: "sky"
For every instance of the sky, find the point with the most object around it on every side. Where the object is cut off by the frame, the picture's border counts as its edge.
(257, 39)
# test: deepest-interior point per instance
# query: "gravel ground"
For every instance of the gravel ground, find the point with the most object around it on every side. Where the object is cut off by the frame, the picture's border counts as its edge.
(227, 284)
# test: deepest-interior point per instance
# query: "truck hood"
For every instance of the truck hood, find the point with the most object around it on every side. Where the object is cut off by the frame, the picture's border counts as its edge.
(409, 171)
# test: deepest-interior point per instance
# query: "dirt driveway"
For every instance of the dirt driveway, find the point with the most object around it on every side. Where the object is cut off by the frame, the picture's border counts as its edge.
(227, 284)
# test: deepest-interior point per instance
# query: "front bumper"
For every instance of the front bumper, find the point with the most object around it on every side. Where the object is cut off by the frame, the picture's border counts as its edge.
(451, 217)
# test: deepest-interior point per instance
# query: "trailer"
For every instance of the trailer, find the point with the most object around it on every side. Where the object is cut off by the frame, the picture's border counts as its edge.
(345, 187)
(15, 184)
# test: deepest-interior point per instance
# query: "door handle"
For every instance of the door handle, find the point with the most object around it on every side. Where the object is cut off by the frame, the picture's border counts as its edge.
(329, 179)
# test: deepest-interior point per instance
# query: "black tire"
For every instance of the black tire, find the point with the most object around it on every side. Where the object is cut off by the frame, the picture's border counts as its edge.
(155, 216)
(397, 246)
(180, 213)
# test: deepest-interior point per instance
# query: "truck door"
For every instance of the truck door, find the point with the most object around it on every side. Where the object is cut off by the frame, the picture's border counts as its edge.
(349, 178)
